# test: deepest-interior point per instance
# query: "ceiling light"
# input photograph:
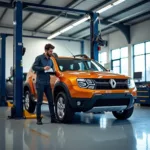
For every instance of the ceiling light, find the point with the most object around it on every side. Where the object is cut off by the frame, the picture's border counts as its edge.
(105, 8)
(54, 35)
(81, 21)
(66, 29)
(118, 2)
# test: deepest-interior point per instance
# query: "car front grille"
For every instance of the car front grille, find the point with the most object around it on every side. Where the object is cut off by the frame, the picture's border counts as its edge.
(104, 84)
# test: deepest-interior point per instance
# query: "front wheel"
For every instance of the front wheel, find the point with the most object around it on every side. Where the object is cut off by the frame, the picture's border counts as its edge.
(29, 103)
(125, 114)
(63, 111)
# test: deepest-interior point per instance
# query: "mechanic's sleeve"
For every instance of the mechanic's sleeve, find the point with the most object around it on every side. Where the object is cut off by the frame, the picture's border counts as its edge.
(36, 65)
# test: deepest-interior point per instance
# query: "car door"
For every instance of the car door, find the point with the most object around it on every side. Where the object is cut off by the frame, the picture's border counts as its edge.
(9, 87)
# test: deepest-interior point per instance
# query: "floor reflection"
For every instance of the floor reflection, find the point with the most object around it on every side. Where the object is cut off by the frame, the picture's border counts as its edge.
(87, 131)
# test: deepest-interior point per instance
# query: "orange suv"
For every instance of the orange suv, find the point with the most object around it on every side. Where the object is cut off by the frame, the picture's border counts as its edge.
(80, 84)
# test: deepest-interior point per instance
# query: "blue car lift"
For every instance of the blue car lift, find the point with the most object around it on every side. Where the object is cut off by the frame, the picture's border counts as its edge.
(17, 109)
(2, 70)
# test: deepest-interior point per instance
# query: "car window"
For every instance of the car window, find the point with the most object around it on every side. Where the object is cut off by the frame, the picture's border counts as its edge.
(78, 65)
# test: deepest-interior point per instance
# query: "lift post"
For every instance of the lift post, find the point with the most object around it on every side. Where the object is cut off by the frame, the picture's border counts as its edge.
(2, 71)
(17, 109)
(94, 32)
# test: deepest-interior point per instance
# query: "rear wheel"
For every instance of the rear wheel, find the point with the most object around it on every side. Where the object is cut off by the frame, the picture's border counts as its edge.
(29, 103)
(125, 114)
(63, 111)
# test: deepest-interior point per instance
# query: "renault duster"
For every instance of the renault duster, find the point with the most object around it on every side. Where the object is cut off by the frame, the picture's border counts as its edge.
(81, 84)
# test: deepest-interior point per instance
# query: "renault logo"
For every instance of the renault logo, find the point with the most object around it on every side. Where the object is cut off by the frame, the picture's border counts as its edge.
(112, 83)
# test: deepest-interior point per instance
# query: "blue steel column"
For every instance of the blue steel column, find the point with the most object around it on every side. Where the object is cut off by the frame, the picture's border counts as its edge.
(2, 71)
(94, 32)
(18, 70)
(82, 47)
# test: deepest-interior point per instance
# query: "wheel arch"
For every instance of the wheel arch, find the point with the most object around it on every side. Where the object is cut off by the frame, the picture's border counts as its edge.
(26, 87)
(61, 87)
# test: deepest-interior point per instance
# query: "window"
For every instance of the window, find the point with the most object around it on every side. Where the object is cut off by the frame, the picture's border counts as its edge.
(103, 58)
(141, 60)
(120, 60)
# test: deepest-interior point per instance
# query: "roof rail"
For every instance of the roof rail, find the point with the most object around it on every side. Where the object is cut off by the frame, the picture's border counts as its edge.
(81, 55)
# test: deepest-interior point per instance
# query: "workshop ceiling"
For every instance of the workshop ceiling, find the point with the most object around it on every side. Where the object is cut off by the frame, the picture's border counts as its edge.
(129, 11)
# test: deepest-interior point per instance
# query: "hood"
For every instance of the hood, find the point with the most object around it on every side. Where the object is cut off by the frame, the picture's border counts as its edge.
(94, 74)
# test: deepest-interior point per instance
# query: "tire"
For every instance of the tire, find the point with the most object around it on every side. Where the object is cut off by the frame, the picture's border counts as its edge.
(29, 103)
(64, 113)
(124, 114)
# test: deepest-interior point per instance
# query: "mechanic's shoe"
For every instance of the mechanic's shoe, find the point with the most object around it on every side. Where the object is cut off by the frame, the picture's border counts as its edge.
(39, 122)
(54, 120)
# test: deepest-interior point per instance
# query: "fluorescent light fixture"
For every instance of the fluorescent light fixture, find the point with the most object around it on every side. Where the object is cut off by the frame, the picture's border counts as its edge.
(118, 2)
(69, 27)
(105, 8)
(54, 35)
(66, 29)
(81, 21)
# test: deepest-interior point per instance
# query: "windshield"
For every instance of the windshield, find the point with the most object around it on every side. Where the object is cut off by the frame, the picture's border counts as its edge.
(67, 64)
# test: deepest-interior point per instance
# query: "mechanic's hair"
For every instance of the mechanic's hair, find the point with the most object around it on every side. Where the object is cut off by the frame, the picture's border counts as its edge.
(49, 46)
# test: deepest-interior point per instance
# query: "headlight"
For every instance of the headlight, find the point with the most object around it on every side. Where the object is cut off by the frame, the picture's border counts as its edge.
(131, 83)
(86, 83)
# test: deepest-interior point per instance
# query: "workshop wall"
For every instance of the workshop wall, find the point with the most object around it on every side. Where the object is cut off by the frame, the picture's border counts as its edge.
(87, 48)
(139, 33)
(35, 47)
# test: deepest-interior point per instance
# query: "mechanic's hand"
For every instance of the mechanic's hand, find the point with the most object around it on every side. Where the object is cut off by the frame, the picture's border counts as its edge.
(46, 68)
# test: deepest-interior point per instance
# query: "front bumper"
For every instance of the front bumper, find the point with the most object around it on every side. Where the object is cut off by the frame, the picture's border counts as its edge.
(103, 100)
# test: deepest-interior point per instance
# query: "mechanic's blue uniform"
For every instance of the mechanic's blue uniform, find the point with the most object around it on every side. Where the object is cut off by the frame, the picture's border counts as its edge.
(43, 83)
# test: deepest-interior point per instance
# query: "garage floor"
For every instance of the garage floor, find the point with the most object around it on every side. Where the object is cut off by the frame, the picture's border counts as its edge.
(88, 132)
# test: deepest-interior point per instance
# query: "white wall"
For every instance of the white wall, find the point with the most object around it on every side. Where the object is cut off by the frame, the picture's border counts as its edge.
(35, 47)
(139, 33)
(87, 48)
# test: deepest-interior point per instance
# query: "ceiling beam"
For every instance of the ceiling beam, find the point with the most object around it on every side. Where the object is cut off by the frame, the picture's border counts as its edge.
(79, 31)
(92, 9)
(101, 4)
(4, 12)
(44, 11)
(58, 29)
(118, 13)
(119, 24)
(56, 8)
(43, 33)
(52, 13)
(52, 19)
(30, 14)
(141, 15)
(127, 9)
